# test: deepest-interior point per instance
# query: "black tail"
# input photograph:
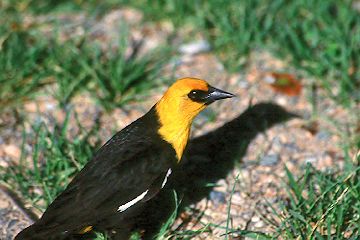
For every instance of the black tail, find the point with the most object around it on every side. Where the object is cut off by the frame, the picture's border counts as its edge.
(38, 232)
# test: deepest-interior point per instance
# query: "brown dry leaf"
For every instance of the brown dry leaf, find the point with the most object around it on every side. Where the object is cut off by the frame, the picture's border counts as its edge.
(284, 83)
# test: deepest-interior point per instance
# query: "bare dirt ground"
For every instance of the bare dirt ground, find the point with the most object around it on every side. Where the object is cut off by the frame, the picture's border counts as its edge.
(256, 180)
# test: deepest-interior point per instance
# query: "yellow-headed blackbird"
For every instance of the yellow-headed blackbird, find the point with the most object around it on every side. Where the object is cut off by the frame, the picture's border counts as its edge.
(130, 168)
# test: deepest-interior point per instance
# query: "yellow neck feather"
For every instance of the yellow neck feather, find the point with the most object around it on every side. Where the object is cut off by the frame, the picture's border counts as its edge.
(175, 120)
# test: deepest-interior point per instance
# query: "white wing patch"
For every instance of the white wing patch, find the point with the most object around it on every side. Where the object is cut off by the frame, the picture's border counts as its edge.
(132, 202)
(141, 196)
(166, 177)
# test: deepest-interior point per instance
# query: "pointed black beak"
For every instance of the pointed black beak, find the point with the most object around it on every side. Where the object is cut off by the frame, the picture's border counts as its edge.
(215, 94)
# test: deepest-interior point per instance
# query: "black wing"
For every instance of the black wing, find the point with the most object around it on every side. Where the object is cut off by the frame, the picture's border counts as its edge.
(129, 164)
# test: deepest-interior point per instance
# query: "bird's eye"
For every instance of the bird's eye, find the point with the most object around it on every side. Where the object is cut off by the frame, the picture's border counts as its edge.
(197, 95)
(193, 94)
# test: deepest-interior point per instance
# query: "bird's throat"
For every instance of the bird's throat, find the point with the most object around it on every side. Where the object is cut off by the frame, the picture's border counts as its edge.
(174, 128)
(178, 138)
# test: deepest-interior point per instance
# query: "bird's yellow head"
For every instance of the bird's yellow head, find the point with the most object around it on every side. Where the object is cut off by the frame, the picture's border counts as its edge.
(185, 99)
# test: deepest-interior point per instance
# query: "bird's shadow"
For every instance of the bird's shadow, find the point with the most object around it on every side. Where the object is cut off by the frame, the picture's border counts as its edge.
(207, 159)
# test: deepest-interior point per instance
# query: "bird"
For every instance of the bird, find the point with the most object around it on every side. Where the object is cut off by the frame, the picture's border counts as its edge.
(129, 169)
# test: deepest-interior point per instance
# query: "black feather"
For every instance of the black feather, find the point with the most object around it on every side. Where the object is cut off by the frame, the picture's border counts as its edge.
(131, 162)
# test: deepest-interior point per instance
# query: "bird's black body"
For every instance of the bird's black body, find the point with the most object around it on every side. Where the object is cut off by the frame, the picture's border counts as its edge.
(134, 160)
(131, 168)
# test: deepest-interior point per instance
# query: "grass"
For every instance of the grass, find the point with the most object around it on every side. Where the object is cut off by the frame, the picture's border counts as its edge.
(164, 231)
(55, 158)
(111, 77)
(319, 38)
(22, 68)
(321, 206)
(119, 79)
(229, 208)
(29, 61)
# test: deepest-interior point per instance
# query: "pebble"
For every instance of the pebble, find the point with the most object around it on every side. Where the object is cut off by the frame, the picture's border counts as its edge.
(292, 147)
(255, 219)
(50, 106)
(217, 197)
(270, 160)
(259, 224)
(237, 199)
(195, 47)
(12, 151)
(243, 84)
(281, 100)
(310, 160)
(269, 79)
(323, 135)
(12, 218)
